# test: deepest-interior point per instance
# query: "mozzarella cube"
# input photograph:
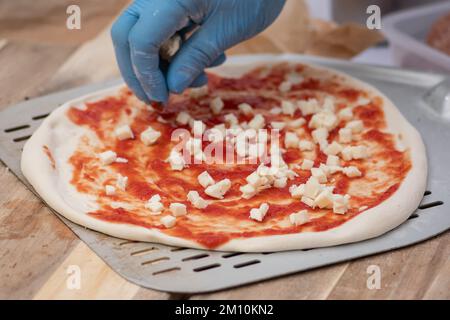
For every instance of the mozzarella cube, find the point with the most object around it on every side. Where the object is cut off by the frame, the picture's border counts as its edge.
(124, 133)
(297, 191)
(340, 204)
(168, 221)
(197, 93)
(219, 189)
(248, 191)
(324, 119)
(183, 118)
(178, 209)
(176, 161)
(333, 149)
(345, 135)
(352, 172)
(121, 160)
(306, 145)
(258, 214)
(324, 199)
(278, 125)
(308, 201)
(245, 108)
(110, 190)
(205, 179)
(347, 153)
(154, 206)
(197, 201)
(345, 114)
(254, 179)
(198, 127)
(288, 108)
(216, 105)
(149, 136)
(121, 182)
(307, 164)
(355, 125)
(155, 198)
(328, 104)
(319, 174)
(291, 140)
(299, 218)
(280, 182)
(333, 160)
(359, 152)
(320, 135)
(312, 188)
(308, 107)
(107, 157)
(258, 122)
(297, 123)
(231, 119)
(275, 110)
(285, 86)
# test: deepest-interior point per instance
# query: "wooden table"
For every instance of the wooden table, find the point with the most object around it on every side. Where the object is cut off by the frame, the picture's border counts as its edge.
(36, 248)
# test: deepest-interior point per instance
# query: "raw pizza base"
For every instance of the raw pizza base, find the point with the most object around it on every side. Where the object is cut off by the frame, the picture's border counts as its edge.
(57, 129)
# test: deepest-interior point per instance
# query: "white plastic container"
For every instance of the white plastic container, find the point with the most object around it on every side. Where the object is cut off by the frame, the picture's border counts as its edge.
(407, 31)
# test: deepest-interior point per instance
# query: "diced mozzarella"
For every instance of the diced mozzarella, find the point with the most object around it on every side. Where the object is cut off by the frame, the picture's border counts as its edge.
(297, 123)
(176, 161)
(347, 154)
(155, 198)
(183, 118)
(312, 188)
(340, 204)
(219, 189)
(257, 122)
(149, 136)
(154, 206)
(198, 92)
(231, 119)
(285, 86)
(197, 201)
(258, 214)
(352, 172)
(205, 179)
(121, 182)
(291, 140)
(324, 199)
(308, 201)
(307, 164)
(306, 145)
(275, 110)
(288, 108)
(333, 160)
(107, 157)
(248, 191)
(124, 133)
(320, 135)
(245, 108)
(308, 107)
(278, 125)
(160, 119)
(345, 135)
(280, 182)
(178, 209)
(110, 190)
(355, 125)
(121, 160)
(345, 114)
(254, 179)
(297, 191)
(333, 149)
(328, 104)
(323, 119)
(299, 218)
(319, 174)
(198, 127)
(168, 221)
(216, 105)
(359, 152)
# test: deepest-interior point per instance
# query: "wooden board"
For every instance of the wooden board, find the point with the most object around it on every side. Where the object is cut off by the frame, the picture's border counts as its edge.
(38, 252)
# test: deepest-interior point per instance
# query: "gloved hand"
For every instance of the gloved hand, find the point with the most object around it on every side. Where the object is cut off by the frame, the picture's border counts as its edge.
(144, 26)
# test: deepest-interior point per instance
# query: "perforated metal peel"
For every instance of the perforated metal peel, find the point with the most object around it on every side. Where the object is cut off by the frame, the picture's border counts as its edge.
(184, 270)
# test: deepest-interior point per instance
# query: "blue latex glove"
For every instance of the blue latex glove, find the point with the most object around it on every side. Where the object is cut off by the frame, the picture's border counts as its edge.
(144, 26)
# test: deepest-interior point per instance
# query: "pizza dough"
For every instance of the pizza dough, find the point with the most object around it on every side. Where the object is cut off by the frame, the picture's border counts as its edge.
(91, 162)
